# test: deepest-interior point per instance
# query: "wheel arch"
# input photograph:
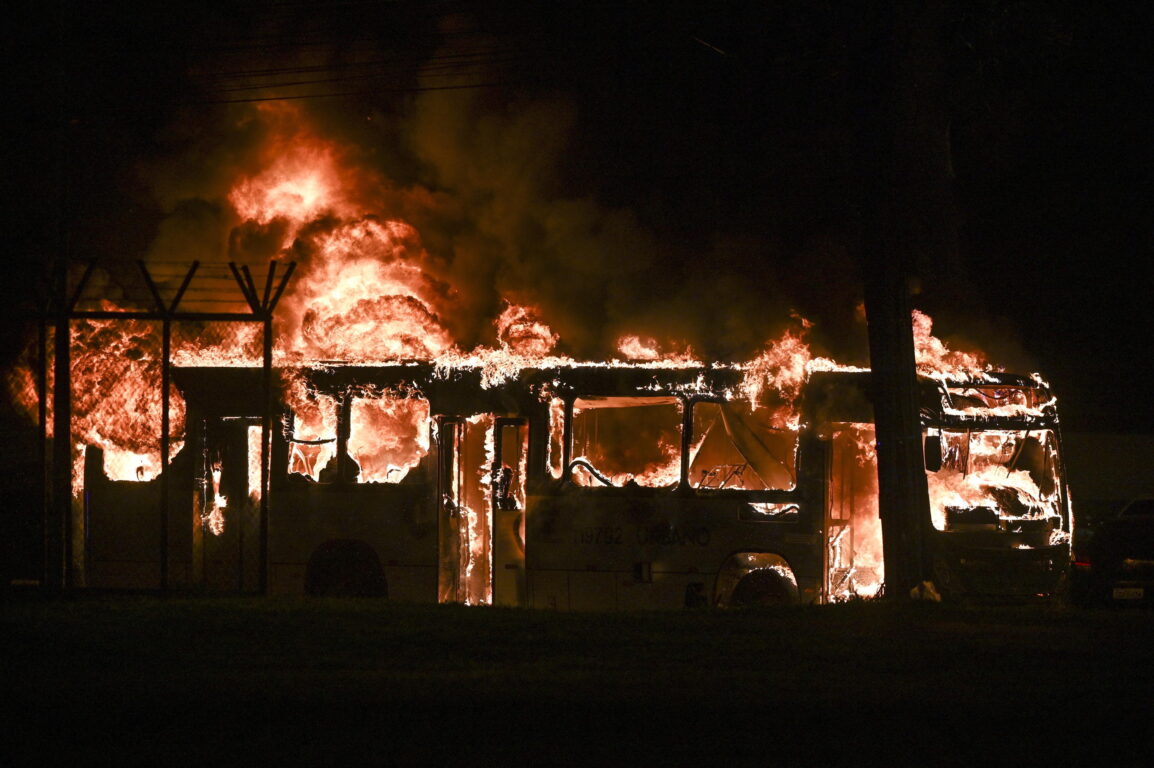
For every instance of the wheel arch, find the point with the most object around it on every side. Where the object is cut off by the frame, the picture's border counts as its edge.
(737, 567)
(345, 568)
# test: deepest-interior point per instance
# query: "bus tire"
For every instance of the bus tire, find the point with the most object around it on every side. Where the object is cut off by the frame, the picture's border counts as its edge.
(764, 587)
(345, 568)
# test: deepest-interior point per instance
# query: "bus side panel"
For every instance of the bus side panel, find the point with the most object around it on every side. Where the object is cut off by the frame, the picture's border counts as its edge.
(396, 522)
(549, 589)
(651, 550)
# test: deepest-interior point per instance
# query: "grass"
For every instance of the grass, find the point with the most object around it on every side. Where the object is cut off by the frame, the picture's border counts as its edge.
(309, 681)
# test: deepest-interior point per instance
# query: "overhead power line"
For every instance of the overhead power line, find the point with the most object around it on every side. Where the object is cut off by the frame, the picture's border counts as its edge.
(360, 92)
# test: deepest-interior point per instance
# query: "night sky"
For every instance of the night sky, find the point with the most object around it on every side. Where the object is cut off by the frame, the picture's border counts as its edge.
(714, 146)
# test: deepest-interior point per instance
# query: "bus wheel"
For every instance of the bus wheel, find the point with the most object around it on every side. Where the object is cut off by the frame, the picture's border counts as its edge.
(764, 587)
(345, 568)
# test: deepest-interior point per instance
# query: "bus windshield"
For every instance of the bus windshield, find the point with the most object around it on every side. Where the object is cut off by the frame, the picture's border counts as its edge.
(996, 479)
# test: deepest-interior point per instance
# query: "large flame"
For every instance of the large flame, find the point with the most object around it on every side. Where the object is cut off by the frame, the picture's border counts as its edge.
(362, 296)
(313, 430)
(117, 397)
(778, 374)
(389, 435)
(521, 331)
(301, 177)
(933, 357)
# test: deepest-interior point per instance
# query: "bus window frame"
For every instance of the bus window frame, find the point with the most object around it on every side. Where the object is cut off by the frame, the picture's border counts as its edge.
(566, 478)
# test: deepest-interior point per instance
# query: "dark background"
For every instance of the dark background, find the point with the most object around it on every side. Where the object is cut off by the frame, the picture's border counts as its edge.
(727, 130)
(364, 681)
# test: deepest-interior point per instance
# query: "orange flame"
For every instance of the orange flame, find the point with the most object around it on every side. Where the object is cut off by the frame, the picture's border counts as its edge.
(780, 372)
(214, 519)
(301, 179)
(522, 332)
(314, 420)
(116, 397)
(934, 357)
(633, 347)
(362, 296)
(389, 435)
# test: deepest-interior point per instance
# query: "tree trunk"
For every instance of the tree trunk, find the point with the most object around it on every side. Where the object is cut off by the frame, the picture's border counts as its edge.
(907, 234)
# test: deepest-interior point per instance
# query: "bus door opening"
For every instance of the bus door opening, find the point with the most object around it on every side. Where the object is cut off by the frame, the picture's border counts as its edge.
(465, 515)
(225, 522)
(854, 563)
(507, 499)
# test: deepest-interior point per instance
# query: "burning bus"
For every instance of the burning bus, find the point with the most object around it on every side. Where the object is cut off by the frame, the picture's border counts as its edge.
(585, 486)
(356, 445)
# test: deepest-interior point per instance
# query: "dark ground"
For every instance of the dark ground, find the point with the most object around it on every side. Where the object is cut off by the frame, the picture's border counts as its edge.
(141, 680)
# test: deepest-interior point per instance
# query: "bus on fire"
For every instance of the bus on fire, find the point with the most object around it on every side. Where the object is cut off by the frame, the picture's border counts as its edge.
(586, 487)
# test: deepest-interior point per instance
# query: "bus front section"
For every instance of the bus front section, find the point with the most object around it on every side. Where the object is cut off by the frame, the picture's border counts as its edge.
(1000, 517)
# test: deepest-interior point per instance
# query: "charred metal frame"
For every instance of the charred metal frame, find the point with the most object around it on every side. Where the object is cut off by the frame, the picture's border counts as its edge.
(829, 396)
(58, 501)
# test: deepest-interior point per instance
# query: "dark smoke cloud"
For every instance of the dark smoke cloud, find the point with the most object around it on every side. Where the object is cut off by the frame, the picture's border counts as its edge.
(672, 170)
(595, 270)
(485, 176)
(479, 181)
